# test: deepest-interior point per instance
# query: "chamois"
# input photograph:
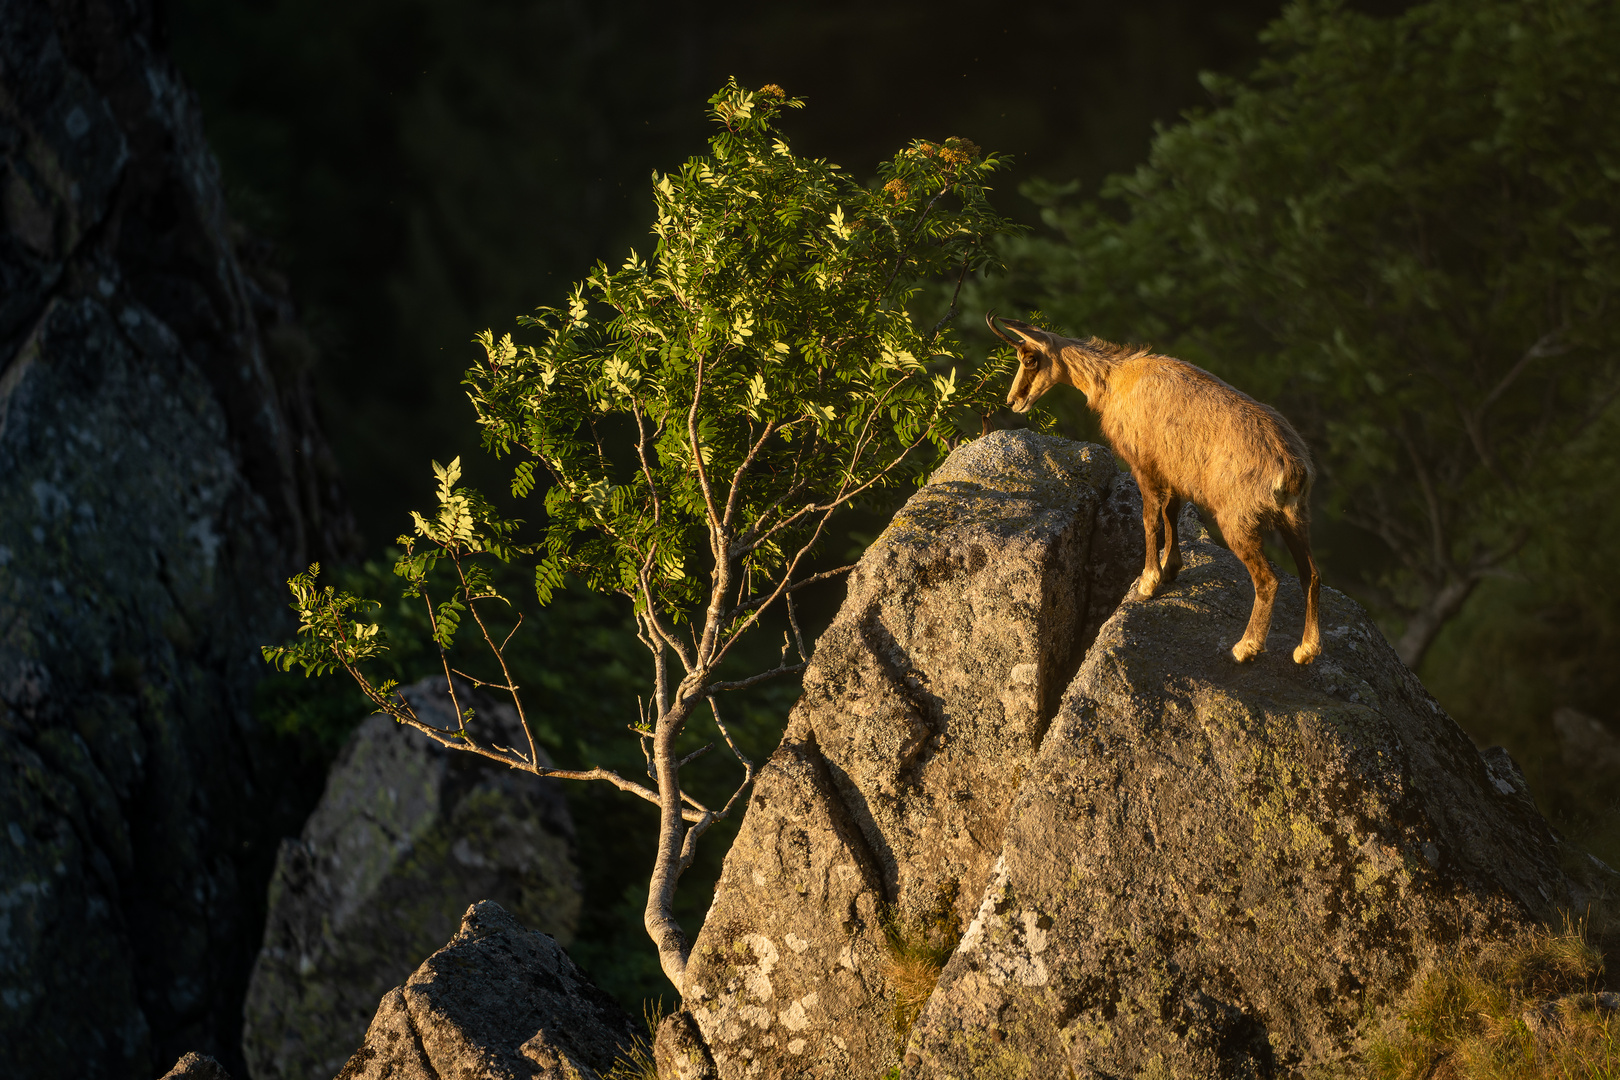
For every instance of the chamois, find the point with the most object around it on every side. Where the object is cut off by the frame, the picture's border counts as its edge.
(1187, 435)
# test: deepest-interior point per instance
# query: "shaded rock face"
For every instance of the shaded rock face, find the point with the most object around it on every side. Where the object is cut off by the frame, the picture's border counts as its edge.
(499, 1002)
(1212, 869)
(924, 704)
(160, 475)
(406, 835)
(1585, 743)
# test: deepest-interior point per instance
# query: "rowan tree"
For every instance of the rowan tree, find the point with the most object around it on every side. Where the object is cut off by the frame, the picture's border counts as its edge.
(690, 422)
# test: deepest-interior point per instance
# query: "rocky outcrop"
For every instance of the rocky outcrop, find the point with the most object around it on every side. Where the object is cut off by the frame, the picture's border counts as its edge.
(1586, 745)
(195, 1066)
(160, 476)
(1215, 870)
(1162, 863)
(499, 1002)
(927, 698)
(406, 835)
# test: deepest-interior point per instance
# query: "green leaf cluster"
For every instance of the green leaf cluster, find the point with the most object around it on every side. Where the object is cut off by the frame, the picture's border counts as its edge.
(760, 368)
(329, 636)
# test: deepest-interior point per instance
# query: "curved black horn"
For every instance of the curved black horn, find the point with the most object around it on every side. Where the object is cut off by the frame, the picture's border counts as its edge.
(990, 321)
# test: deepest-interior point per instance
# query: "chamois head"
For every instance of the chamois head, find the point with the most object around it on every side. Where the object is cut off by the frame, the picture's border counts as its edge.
(1038, 366)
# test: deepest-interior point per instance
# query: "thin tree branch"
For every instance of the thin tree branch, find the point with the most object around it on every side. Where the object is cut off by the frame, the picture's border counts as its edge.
(742, 470)
(646, 468)
(793, 621)
(500, 657)
(697, 450)
(742, 684)
(950, 312)
(759, 598)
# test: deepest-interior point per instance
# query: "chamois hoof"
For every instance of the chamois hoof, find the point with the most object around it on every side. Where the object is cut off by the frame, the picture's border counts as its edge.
(1246, 650)
(1306, 653)
(1146, 586)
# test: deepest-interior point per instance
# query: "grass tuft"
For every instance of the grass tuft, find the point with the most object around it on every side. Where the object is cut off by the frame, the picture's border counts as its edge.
(637, 1062)
(1524, 1009)
(916, 956)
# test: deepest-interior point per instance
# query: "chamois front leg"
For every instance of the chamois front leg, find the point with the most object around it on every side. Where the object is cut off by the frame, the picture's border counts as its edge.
(1246, 545)
(1153, 538)
(1171, 562)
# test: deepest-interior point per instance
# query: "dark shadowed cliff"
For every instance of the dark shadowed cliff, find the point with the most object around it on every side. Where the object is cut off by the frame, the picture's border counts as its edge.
(161, 472)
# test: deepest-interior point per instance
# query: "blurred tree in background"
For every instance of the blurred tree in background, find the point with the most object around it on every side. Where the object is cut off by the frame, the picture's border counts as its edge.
(1402, 232)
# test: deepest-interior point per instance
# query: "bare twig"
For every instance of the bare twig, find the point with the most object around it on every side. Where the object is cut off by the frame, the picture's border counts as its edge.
(476, 681)
(694, 755)
(759, 598)
(725, 733)
(742, 470)
(697, 449)
(740, 684)
(793, 621)
(508, 639)
(950, 313)
(646, 467)
(500, 657)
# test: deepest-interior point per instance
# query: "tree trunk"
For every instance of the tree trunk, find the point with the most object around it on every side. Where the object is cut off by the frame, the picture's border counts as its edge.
(659, 918)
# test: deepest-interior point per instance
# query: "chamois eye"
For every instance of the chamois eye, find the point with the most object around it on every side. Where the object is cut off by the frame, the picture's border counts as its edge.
(1030, 360)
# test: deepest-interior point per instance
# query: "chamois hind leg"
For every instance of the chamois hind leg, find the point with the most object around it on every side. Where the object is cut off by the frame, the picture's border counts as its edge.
(1171, 563)
(1246, 545)
(1153, 537)
(1296, 533)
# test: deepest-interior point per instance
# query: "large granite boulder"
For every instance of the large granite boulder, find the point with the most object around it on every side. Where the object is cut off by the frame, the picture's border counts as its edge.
(1218, 870)
(499, 1002)
(927, 698)
(406, 835)
(1162, 864)
(160, 476)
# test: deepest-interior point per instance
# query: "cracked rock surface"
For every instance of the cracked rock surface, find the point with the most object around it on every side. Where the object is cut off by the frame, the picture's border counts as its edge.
(1133, 856)
(406, 835)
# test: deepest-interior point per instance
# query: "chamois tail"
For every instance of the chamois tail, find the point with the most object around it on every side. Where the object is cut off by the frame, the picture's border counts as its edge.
(1291, 484)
